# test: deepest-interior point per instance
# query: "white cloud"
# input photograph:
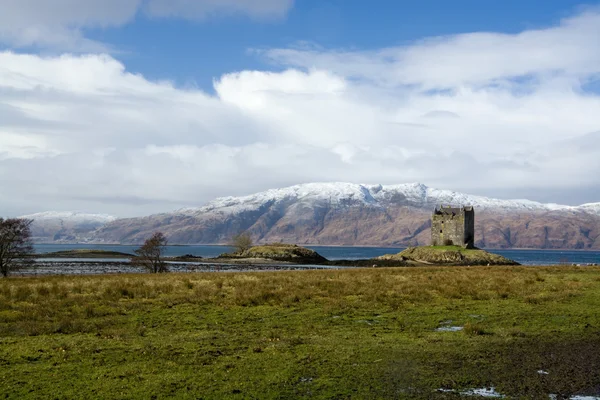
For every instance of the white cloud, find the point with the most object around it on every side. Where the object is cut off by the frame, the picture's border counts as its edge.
(60, 24)
(567, 50)
(83, 133)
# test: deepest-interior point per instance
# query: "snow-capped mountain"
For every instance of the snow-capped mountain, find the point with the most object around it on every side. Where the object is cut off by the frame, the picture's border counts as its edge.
(53, 226)
(70, 216)
(353, 214)
(348, 194)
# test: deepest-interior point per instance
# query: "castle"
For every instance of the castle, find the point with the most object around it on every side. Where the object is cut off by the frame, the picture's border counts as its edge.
(453, 226)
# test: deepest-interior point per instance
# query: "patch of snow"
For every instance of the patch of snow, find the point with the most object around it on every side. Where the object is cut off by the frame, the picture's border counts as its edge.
(593, 208)
(340, 194)
(331, 194)
(70, 216)
(542, 372)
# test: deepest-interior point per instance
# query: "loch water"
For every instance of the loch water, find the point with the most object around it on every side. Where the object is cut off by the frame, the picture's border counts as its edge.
(525, 257)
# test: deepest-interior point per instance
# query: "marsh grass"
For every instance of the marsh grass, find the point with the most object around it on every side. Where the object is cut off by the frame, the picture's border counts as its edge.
(324, 334)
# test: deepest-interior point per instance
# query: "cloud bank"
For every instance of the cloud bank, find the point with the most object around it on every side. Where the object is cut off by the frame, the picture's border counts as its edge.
(475, 112)
(61, 24)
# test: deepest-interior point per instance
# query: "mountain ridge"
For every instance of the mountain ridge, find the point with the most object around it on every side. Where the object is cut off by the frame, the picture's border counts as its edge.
(447, 196)
(339, 213)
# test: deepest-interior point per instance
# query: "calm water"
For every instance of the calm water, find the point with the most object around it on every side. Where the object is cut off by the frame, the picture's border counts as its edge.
(526, 257)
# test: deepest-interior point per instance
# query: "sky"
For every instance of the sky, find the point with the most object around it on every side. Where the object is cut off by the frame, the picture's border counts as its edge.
(132, 107)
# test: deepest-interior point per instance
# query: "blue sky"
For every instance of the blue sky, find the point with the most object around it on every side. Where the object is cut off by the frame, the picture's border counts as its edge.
(130, 107)
(196, 52)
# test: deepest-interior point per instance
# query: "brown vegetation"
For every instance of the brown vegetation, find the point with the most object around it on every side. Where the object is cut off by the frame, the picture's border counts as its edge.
(149, 255)
(15, 244)
(241, 242)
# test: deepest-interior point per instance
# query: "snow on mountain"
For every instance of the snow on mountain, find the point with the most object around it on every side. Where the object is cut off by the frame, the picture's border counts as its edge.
(345, 194)
(333, 193)
(339, 194)
(66, 227)
(74, 217)
(590, 208)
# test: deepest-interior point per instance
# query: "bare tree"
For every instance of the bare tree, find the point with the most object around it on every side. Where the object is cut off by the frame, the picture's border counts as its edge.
(150, 253)
(241, 242)
(16, 247)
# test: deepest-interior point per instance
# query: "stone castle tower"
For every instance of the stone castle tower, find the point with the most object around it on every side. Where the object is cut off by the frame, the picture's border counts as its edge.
(453, 226)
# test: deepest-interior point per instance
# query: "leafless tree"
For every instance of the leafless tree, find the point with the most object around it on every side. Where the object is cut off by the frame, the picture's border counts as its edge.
(241, 242)
(150, 253)
(16, 247)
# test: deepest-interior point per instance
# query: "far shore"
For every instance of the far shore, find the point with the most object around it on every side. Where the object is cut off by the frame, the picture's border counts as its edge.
(103, 254)
(367, 246)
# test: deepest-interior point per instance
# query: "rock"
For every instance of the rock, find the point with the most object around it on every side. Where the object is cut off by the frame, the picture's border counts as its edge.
(187, 257)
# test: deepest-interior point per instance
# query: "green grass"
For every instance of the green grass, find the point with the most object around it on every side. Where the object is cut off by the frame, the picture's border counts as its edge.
(280, 252)
(365, 333)
(451, 248)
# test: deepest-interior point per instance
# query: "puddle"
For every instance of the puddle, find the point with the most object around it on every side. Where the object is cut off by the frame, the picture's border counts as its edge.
(368, 322)
(481, 392)
(493, 394)
(542, 372)
(449, 329)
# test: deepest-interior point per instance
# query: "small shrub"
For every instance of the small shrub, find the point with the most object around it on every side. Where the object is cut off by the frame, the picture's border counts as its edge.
(241, 242)
(474, 329)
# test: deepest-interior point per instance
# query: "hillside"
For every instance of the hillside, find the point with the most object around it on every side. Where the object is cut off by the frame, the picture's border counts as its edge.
(370, 215)
(65, 227)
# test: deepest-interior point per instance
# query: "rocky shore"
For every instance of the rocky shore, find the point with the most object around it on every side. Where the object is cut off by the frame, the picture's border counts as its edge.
(271, 257)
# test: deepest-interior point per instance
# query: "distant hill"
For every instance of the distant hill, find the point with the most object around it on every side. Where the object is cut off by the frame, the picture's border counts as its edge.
(65, 227)
(353, 214)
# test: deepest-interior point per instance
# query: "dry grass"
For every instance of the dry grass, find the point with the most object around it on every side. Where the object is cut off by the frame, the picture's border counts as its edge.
(36, 302)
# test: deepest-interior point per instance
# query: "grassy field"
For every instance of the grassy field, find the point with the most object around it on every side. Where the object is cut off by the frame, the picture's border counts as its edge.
(363, 333)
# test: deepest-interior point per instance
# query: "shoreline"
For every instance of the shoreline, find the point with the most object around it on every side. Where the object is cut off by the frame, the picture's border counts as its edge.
(95, 268)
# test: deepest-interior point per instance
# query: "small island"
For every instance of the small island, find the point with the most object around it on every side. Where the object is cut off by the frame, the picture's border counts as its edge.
(447, 255)
(84, 253)
(278, 252)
